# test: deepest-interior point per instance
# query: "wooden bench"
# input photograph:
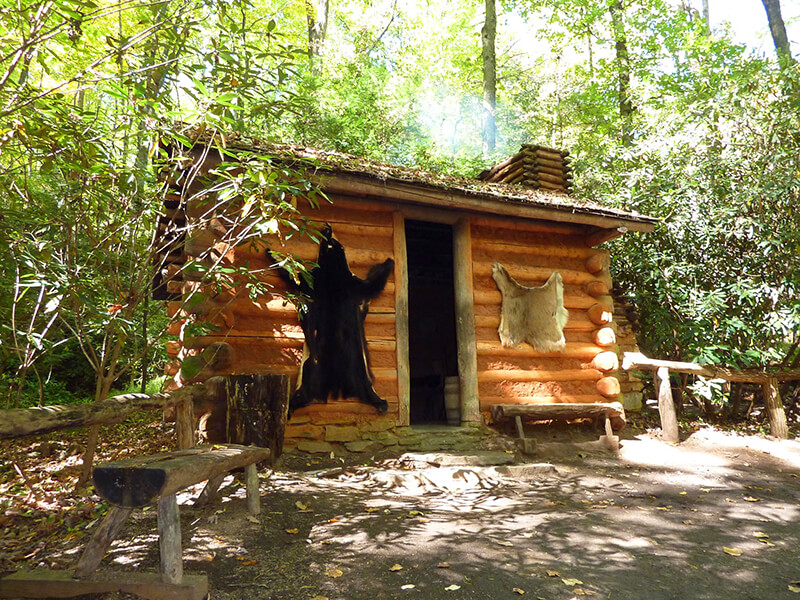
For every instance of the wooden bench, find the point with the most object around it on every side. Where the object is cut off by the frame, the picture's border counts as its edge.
(136, 483)
(612, 414)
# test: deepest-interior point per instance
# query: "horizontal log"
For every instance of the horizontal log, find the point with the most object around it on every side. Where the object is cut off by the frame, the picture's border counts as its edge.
(566, 412)
(598, 263)
(605, 361)
(571, 350)
(604, 336)
(284, 339)
(540, 375)
(486, 297)
(636, 360)
(609, 387)
(524, 248)
(597, 288)
(137, 482)
(539, 167)
(600, 314)
(340, 406)
(559, 179)
(578, 321)
(488, 401)
(20, 422)
(527, 227)
(519, 272)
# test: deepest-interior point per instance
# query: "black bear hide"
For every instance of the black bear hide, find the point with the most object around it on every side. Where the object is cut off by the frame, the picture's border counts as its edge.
(336, 362)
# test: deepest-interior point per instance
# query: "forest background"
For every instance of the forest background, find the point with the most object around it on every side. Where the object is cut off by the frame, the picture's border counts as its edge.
(662, 114)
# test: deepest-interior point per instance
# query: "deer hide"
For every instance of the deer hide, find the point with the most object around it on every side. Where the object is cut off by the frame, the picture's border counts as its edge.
(533, 315)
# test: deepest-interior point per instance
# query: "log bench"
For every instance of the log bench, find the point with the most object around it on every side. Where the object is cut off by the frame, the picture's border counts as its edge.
(135, 483)
(611, 413)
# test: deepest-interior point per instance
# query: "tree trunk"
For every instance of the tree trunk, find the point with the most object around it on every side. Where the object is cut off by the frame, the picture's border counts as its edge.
(623, 70)
(488, 34)
(778, 30)
(706, 17)
(317, 17)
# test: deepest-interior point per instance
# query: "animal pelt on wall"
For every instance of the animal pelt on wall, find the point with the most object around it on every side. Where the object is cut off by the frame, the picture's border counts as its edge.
(535, 315)
(336, 362)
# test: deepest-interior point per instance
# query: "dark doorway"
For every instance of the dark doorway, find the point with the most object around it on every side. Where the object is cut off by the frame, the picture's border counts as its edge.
(433, 353)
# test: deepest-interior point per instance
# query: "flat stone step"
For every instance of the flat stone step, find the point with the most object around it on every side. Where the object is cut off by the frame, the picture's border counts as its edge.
(446, 459)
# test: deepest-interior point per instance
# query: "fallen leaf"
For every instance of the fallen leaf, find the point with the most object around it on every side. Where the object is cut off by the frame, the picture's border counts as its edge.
(424, 520)
(415, 513)
(505, 543)
(249, 563)
(443, 565)
(334, 572)
(552, 573)
(320, 598)
(572, 582)
(253, 519)
(452, 588)
(396, 567)
(732, 551)
(556, 503)
(371, 509)
(760, 535)
(688, 522)
(795, 587)
(518, 591)
(751, 499)
(333, 520)
(302, 507)
(408, 586)
(292, 531)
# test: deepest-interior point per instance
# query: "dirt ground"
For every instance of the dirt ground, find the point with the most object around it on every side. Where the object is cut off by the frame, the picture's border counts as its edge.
(717, 516)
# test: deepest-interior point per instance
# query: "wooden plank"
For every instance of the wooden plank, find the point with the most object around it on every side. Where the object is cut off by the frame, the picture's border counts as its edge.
(169, 539)
(401, 319)
(101, 539)
(496, 243)
(136, 482)
(62, 584)
(666, 406)
(465, 321)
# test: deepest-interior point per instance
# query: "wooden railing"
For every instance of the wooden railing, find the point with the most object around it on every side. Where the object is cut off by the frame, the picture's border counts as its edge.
(666, 406)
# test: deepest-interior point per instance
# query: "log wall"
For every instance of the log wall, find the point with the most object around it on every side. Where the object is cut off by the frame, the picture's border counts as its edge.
(265, 336)
(584, 371)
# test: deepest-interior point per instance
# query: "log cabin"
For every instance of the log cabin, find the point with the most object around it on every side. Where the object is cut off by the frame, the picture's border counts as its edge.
(432, 333)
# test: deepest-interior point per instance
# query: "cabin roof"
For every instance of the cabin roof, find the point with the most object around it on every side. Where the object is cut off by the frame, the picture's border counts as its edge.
(432, 188)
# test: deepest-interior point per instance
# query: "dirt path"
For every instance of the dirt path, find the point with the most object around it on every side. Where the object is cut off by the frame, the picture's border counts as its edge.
(716, 517)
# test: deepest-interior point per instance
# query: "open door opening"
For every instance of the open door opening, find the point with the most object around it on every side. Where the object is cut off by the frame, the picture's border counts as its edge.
(433, 352)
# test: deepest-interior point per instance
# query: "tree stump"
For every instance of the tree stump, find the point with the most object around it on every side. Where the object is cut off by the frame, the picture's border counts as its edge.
(257, 408)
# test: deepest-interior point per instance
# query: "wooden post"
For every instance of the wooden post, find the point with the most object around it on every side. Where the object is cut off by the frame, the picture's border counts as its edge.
(253, 491)
(465, 321)
(257, 411)
(169, 537)
(775, 411)
(184, 424)
(401, 319)
(210, 492)
(101, 539)
(666, 406)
